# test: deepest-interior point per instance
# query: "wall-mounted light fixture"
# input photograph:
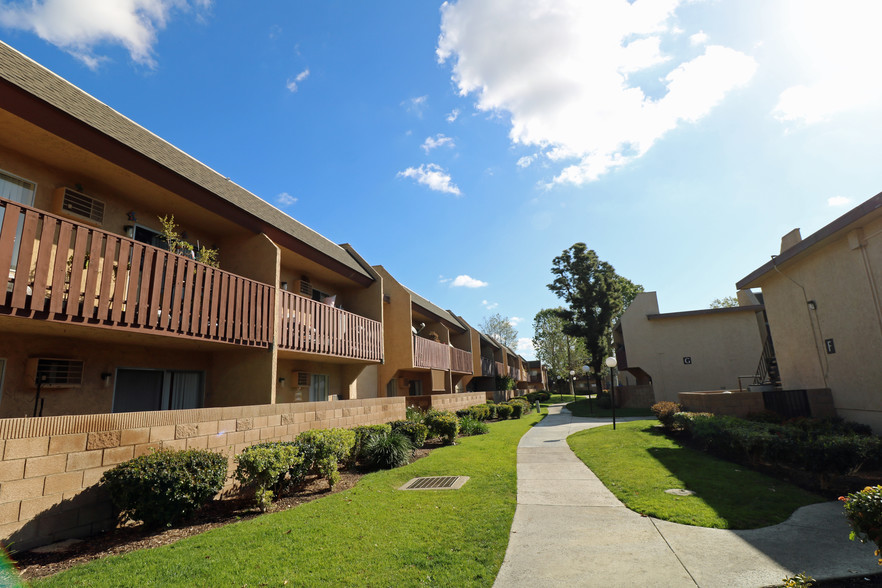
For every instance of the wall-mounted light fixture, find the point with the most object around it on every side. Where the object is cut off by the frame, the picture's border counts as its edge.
(812, 305)
(106, 376)
(281, 381)
(130, 231)
(284, 285)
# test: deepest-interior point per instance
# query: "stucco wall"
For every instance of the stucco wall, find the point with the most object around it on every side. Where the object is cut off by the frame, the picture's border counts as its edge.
(720, 346)
(51, 466)
(843, 278)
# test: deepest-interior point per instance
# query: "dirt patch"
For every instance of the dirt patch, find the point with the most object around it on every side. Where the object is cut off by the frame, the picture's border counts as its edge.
(218, 513)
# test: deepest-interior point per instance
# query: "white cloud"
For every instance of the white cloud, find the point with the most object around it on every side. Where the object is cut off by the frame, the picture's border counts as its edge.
(837, 55)
(515, 321)
(285, 199)
(489, 305)
(465, 281)
(443, 280)
(525, 348)
(562, 73)
(416, 105)
(526, 160)
(292, 84)
(838, 201)
(78, 26)
(433, 176)
(453, 115)
(439, 140)
(699, 38)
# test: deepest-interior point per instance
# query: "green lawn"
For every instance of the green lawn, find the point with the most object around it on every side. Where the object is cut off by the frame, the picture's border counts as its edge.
(582, 408)
(638, 464)
(370, 535)
(560, 398)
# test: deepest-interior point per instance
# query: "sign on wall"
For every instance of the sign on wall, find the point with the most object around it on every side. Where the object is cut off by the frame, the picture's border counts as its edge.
(687, 361)
(831, 348)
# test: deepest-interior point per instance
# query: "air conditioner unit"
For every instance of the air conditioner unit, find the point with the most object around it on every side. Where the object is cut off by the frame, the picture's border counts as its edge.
(304, 288)
(300, 378)
(54, 373)
(78, 205)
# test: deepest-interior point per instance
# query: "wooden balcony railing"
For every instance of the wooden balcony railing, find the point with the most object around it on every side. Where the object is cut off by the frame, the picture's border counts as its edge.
(429, 354)
(313, 327)
(70, 272)
(500, 368)
(460, 361)
(488, 367)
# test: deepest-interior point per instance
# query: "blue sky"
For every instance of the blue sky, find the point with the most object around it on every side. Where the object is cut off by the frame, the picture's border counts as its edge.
(464, 145)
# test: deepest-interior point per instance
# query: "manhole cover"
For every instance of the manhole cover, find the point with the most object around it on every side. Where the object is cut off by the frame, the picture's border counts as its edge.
(680, 492)
(436, 483)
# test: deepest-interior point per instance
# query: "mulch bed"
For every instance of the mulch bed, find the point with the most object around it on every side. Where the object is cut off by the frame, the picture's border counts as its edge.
(218, 513)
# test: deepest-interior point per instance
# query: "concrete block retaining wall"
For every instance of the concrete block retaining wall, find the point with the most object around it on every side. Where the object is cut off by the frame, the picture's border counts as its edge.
(51, 466)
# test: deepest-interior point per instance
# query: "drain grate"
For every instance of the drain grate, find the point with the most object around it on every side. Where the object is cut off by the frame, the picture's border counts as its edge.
(436, 483)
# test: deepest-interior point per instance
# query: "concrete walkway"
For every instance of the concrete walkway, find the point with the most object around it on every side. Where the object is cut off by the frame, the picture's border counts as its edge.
(569, 530)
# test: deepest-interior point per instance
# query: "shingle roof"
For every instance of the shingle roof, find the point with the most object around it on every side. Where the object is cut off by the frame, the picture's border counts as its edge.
(434, 309)
(38, 81)
(870, 207)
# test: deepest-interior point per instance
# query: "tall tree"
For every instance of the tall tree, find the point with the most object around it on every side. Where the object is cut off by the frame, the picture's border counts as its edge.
(558, 351)
(595, 295)
(500, 328)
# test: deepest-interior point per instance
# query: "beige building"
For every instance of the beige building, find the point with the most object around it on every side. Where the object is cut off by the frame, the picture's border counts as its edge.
(98, 313)
(688, 351)
(427, 350)
(823, 298)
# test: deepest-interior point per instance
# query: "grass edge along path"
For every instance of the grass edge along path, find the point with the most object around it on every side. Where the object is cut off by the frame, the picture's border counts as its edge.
(370, 535)
(637, 464)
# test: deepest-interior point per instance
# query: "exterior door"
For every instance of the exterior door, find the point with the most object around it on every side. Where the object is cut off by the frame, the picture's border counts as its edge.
(318, 388)
(149, 389)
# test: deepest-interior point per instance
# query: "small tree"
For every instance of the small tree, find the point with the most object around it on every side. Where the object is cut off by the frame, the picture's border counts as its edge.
(500, 328)
(554, 348)
(725, 302)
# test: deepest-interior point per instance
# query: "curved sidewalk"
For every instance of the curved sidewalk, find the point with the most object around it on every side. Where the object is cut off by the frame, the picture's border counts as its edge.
(569, 530)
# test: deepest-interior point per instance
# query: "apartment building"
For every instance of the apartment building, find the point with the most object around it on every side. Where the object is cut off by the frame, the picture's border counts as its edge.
(427, 349)
(697, 350)
(823, 299)
(98, 316)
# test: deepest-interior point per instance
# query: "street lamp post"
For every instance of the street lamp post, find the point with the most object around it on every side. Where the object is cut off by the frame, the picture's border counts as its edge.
(572, 387)
(587, 370)
(611, 364)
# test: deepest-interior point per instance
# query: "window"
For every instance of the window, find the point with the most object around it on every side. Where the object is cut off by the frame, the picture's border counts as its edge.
(392, 388)
(318, 388)
(148, 389)
(149, 236)
(17, 189)
(21, 191)
(415, 387)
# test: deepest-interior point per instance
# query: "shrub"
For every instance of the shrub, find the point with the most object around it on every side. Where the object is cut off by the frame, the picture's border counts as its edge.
(765, 416)
(503, 411)
(165, 486)
(387, 450)
(517, 409)
(469, 426)
(265, 467)
(864, 513)
(491, 410)
(479, 412)
(443, 424)
(603, 400)
(325, 449)
(664, 411)
(414, 414)
(361, 435)
(416, 432)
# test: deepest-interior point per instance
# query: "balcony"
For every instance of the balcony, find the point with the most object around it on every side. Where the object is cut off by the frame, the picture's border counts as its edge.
(429, 354)
(313, 327)
(500, 368)
(460, 361)
(488, 367)
(63, 271)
